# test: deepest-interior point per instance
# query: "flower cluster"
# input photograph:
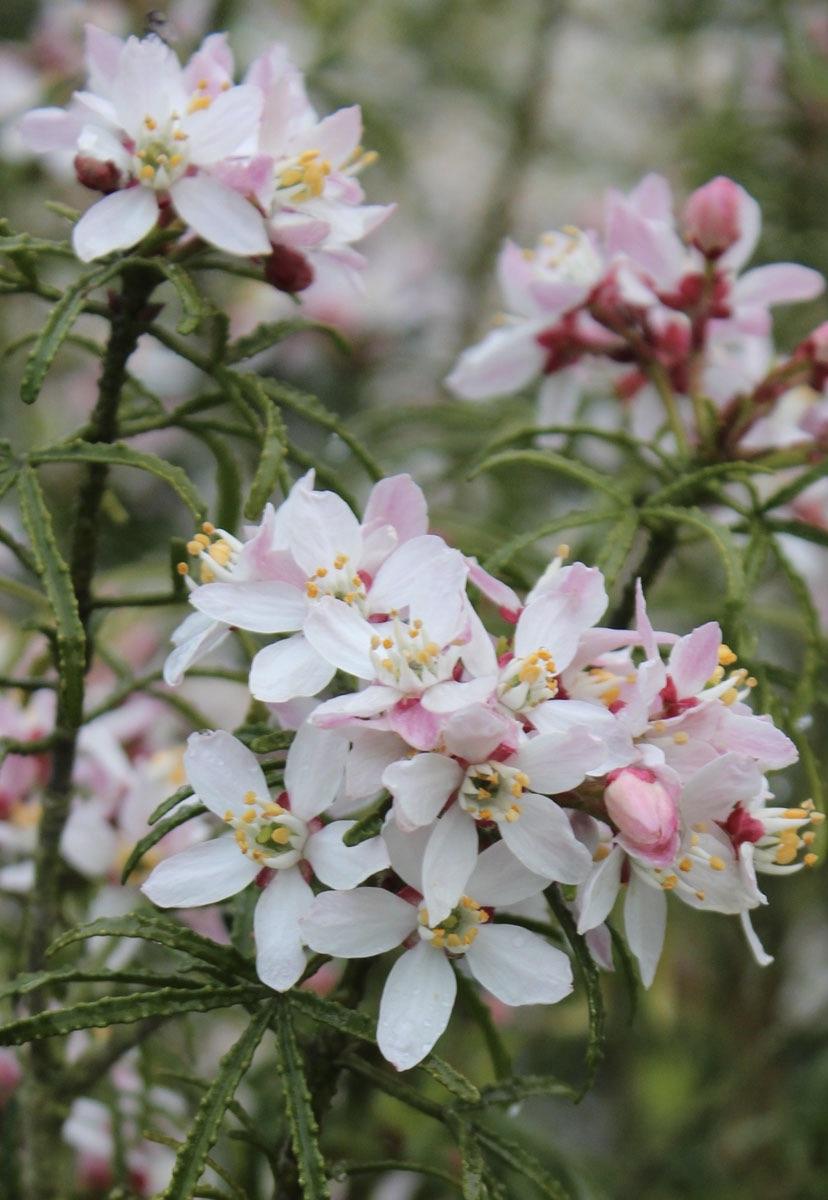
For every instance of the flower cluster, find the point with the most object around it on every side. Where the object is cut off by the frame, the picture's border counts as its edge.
(250, 168)
(562, 752)
(666, 304)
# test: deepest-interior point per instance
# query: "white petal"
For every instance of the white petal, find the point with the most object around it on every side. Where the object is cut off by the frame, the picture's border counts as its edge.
(450, 695)
(358, 924)
(288, 669)
(280, 959)
(475, 732)
(220, 215)
(504, 362)
(449, 861)
(416, 1005)
(407, 851)
(314, 770)
(756, 948)
(322, 527)
(557, 762)
(196, 636)
(368, 703)
(202, 874)
(597, 895)
(519, 967)
(116, 222)
(500, 878)
(421, 786)
(221, 770)
(341, 636)
(268, 606)
(219, 131)
(398, 501)
(543, 840)
(645, 919)
(89, 842)
(341, 866)
(427, 577)
(712, 792)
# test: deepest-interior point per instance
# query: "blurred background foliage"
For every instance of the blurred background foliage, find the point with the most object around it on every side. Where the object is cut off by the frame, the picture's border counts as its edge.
(495, 117)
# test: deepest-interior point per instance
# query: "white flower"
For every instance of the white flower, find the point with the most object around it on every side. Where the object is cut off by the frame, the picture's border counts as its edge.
(516, 966)
(279, 839)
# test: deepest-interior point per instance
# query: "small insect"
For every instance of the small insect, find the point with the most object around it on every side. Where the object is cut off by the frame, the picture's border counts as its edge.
(158, 23)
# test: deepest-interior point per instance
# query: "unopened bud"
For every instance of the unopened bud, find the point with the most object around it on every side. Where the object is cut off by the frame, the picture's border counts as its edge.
(645, 814)
(713, 216)
(99, 176)
(288, 270)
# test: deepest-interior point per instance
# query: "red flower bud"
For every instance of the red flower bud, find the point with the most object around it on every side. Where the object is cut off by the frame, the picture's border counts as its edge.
(99, 176)
(288, 270)
(713, 216)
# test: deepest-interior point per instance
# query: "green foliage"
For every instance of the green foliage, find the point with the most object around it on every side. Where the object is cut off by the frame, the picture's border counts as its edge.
(302, 1122)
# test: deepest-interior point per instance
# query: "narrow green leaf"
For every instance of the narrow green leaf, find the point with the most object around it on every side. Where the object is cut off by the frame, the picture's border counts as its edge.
(549, 460)
(9, 467)
(617, 544)
(592, 982)
(473, 1168)
(299, 1110)
(165, 806)
(222, 959)
(159, 830)
(195, 307)
(571, 520)
(124, 1010)
(791, 490)
(696, 481)
(358, 1025)
(118, 454)
(311, 409)
(228, 477)
(63, 976)
(800, 529)
(58, 325)
(270, 333)
(719, 535)
(17, 243)
(517, 1158)
(520, 1087)
(368, 826)
(192, 1156)
(270, 470)
(276, 739)
(57, 583)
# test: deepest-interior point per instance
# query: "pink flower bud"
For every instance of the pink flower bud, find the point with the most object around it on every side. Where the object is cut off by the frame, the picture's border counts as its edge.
(10, 1075)
(713, 216)
(99, 176)
(288, 270)
(645, 813)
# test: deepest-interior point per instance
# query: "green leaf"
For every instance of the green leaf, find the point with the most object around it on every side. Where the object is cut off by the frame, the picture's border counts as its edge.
(228, 477)
(63, 976)
(368, 826)
(800, 529)
(473, 1168)
(549, 460)
(696, 481)
(517, 1158)
(58, 325)
(719, 535)
(272, 332)
(118, 454)
(277, 739)
(196, 308)
(481, 1014)
(520, 1087)
(358, 1025)
(221, 959)
(571, 520)
(57, 583)
(592, 982)
(159, 830)
(270, 469)
(312, 410)
(791, 490)
(164, 807)
(192, 1156)
(617, 544)
(299, 1110)
(9, 467)
(124, 1010)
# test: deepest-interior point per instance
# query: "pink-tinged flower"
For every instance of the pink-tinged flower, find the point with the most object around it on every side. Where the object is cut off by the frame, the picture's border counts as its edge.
(516, 966)
(644, 813)
(340, 574)
(539, 286)
(155, 139)
(715, 215)
(279, 843)
(11, 1073)
(309, 190)
(489, 774)
(704, 871)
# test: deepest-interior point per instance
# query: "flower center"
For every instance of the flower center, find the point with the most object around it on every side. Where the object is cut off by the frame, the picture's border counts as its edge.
(527, 681)
(490, 791)
(570, 254)
(216, 551)
(303, 177)
(267, 833)
(160, 155)
(340, 581)
(457, 931)
(784, 833)
(405, 658)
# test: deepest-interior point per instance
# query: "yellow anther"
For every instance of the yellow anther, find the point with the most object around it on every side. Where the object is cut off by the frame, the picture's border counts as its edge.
(229, 815)
(176, 160)
(716, 863)
(669, 882)
(423, 917)
(432, 649)
(308, 156)
(516, 790)
(685, 864)
(241, 838)
(369, 158)
(220, 553)
(751, 681)
(340, 561)
(198, 104)
(387, 643)
(375, 642)
(202, 85)
(182, 568)
(483, 794)
(273, 810)
(258, 855)
(522, 778)
(808, 838)
(729, 696)
(808, 805)
(249, 816)
(250, 796)
(717, 676)
(280, 836)
(785, 854)
(726, 655)
(681, 738)
(660, 727)
(207, 575)
(601, 852)
(562, 551)
(817, 818)
(810, 860)
(700, 827)
(454, 940)
(180, 136)
(202, 539)
(147, 172)
(321, 572)
(485, 814)
(207, 527)
(789, 837)
(311, 589)
(795, 814)
(387, 664)
(700, 895)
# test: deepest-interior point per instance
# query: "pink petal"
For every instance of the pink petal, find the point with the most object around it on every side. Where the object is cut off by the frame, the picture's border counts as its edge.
(778, 283)
(694, 658)
(219, 215)
(503, 363)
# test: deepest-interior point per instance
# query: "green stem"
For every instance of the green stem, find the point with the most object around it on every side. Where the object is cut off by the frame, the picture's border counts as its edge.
(661, 383)
(41, 1111)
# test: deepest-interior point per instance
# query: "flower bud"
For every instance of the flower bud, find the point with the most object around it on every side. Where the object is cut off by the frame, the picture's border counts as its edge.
(288, 270)
(645, 814)
(713, 216)
(99, 176)
(11, 1074)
